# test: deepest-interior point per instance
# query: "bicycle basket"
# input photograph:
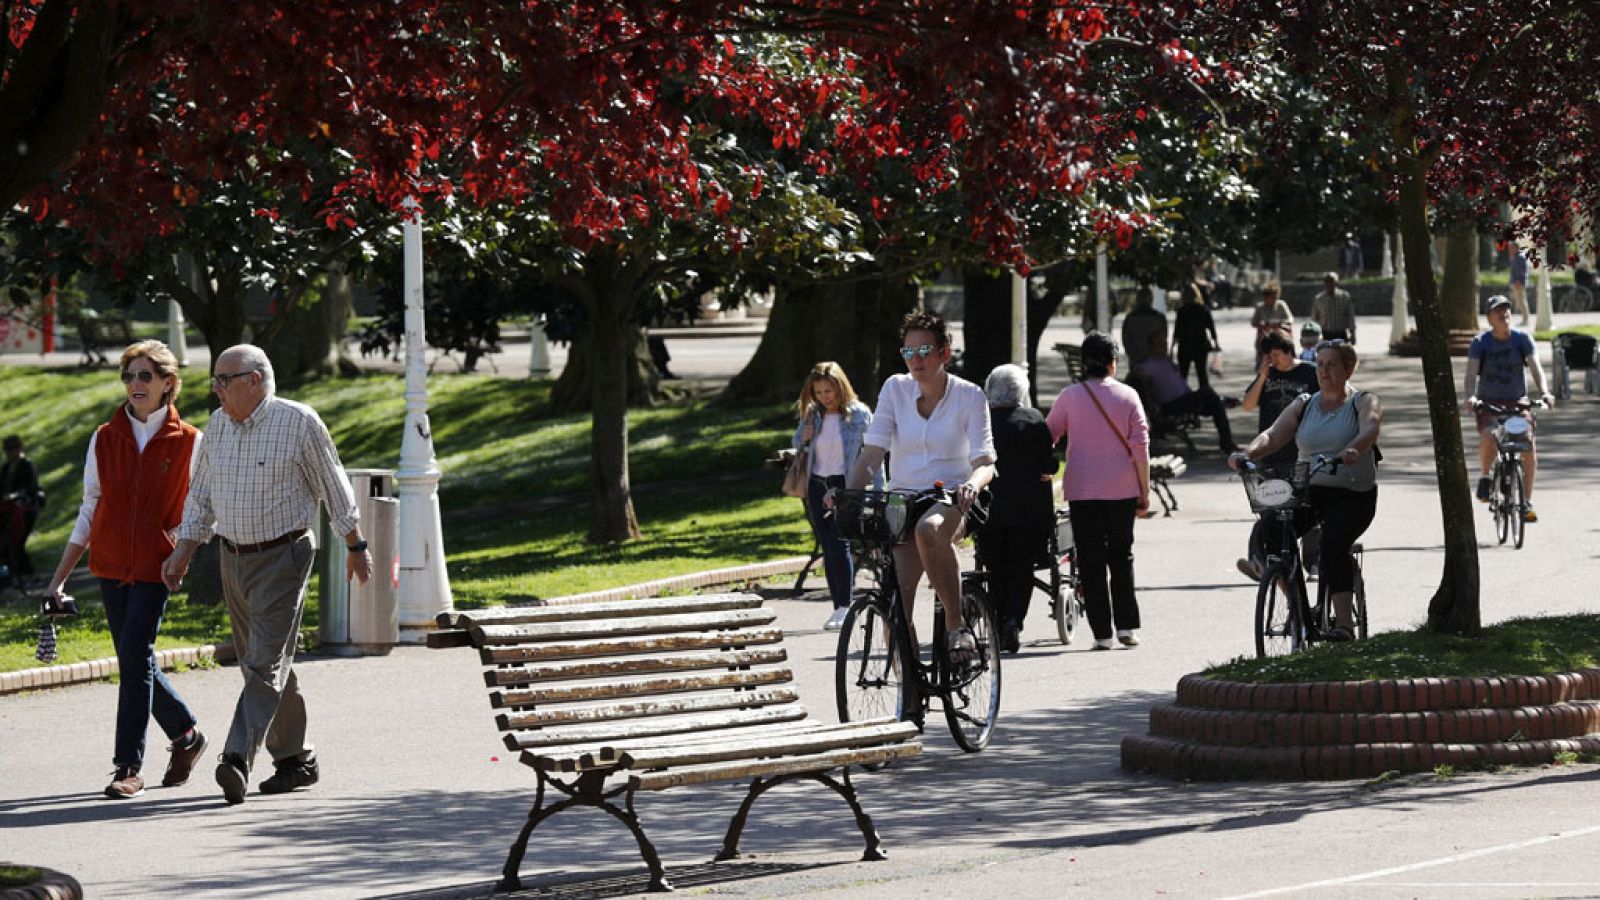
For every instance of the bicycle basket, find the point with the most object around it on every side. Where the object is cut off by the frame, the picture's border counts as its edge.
(1063, 531)
(876, 517)
(1268, 493)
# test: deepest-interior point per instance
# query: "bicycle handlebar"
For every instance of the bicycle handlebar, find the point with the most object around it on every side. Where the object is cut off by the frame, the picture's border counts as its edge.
(1509, 407)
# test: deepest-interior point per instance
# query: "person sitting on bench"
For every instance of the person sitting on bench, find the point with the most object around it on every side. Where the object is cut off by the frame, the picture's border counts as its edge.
(1174, 397)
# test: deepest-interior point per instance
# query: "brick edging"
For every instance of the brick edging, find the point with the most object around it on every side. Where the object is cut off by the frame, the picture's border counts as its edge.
(52, 885)
(93, 670)
(1360, 729)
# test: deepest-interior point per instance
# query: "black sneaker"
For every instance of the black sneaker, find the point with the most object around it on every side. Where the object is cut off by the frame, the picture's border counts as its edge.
(1484, 490)
(291, 774)
(232, 778)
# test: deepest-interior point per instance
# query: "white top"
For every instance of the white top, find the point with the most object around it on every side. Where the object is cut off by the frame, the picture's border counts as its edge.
(827, 450)
(943, 447)
(142, 433)
(262, 478)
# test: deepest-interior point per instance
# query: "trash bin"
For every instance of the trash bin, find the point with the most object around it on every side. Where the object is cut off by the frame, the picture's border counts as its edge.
(363, 619)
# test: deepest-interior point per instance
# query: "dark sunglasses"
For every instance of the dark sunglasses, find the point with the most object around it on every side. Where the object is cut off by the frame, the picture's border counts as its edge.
(922, 350)
(145, 376)
(221, 379)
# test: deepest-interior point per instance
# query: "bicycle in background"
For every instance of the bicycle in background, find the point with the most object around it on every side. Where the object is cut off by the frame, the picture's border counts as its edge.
(1286, 622)
(880, 670)
(1508, 497)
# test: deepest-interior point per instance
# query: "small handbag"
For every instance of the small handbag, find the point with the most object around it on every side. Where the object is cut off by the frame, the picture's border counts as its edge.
(794, 480)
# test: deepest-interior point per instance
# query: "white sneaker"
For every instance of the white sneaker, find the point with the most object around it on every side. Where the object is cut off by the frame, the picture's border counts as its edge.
(1102, 644)
(836, 619)
(1128, 638)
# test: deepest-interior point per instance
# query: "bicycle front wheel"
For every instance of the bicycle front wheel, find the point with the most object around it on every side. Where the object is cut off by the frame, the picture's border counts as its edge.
(1068, 600)
(1501, 503)
(972, 689)
(1279, 631)
(1519, 496)
(874, 666)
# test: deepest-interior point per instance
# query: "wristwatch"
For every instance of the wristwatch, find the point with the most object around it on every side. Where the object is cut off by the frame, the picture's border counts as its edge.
(358, 547)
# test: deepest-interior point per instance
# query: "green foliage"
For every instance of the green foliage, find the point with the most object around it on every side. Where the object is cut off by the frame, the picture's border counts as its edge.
(1530, 646)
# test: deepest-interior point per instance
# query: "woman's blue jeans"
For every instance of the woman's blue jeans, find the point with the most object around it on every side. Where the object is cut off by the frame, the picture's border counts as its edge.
(134, 612)
(836, 561)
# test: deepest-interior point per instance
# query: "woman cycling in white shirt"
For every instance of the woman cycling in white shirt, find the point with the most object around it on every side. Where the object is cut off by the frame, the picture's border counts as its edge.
(935, 427)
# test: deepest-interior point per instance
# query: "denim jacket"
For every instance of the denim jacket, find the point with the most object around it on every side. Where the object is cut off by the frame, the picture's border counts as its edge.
(852, 428)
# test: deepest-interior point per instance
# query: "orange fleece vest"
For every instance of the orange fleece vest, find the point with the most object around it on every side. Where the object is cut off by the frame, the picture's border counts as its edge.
(141, 497)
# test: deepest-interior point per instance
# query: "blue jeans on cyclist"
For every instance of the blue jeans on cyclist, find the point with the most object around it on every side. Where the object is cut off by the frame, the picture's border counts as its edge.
(836, 562)
(1103, 533)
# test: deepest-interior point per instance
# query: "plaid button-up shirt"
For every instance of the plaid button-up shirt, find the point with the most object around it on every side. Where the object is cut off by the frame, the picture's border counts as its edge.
(262, 478)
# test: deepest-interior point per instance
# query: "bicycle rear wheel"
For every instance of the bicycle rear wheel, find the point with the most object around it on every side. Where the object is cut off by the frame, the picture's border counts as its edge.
(1279, 631)
(1500, 504)
(972, 690)
(1068, 599)
(875, 669)
(1519, 525)
(1358, 603)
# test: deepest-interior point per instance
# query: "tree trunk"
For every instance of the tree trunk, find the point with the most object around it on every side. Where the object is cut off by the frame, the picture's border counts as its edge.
(305, 339)
(856, 325)
(1041, 309)
(1454, 607)
(1458, 292)
(609, 295)
(574, 389)
(986, 322)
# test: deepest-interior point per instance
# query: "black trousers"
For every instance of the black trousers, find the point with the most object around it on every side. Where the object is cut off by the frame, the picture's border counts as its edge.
(1011, 553)
(1198, 360)
(1345, 515)
(1103, 532)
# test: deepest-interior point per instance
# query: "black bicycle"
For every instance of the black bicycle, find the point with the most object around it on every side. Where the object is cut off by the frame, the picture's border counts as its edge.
(1508, 496)
(880, 669)
(1286, 622)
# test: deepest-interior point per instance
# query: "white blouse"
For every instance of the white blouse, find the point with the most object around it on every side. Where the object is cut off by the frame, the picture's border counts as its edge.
(828, 449)
(945, 446)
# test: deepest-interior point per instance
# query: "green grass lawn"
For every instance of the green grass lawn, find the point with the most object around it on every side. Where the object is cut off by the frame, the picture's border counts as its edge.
(1515, 647)
(1591, 330)
(513, 496)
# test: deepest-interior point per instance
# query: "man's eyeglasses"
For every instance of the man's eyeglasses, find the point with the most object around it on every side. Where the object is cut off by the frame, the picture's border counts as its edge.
(922, 350)
(221, 379)
(145, 376)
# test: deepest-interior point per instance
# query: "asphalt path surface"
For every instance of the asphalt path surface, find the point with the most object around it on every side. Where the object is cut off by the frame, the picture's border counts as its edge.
(419, 799)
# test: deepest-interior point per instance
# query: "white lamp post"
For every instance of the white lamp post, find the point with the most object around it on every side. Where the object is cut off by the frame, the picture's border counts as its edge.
(1397, 329)
(1542, 296)
(176, 341)
(1102, 290)
(1019, 319)
(538, 349)
(424, 586)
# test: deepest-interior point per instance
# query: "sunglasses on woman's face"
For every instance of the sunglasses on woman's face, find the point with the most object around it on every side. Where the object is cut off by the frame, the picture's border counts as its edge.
(145, 376)
(922, 350)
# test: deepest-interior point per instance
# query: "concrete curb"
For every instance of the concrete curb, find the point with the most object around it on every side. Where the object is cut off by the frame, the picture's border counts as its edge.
(96, 669)
(1362, 729)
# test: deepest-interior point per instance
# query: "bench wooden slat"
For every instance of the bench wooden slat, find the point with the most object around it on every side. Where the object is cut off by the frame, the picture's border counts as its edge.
(656, 645)
(621, 609)
(639, 687)
(613, 668)
(646, 708)
(633, 729)
(817, 762)
(586, 756)
(609, 628)
(854, 736)
(449, 637)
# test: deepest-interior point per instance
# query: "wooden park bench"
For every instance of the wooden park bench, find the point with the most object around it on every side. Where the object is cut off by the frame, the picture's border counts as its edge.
(1163, 427)
(605, 700)
(1072, 355)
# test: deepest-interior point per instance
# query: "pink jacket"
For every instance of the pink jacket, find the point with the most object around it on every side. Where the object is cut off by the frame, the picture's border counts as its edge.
(1098, 466)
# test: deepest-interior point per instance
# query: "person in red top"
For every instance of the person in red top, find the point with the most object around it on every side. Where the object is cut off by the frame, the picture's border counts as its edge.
(135, 479)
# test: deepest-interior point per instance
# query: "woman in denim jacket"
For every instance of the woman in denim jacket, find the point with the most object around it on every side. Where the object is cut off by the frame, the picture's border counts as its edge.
(832, 424)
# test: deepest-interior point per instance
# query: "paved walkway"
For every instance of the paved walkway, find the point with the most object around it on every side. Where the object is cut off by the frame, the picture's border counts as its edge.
(419, 798)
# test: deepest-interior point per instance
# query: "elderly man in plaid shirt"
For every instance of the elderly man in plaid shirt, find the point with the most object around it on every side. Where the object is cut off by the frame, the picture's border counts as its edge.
(264, 466)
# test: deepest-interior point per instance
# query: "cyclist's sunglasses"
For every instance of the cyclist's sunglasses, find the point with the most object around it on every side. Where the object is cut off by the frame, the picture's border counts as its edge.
(145, 376)
(922, 350)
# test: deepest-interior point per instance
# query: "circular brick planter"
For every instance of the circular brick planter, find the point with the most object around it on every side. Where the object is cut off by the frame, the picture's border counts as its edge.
(1361, 729)
(50, 886)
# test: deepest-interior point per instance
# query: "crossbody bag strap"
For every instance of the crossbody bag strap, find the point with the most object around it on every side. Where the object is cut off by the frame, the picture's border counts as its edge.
(1109, 423)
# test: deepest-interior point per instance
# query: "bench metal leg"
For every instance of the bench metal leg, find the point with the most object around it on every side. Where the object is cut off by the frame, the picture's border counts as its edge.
(1163, 492)
(509, 881)
(658, 874)
(587, 792)
(816, 554)
(759, 786)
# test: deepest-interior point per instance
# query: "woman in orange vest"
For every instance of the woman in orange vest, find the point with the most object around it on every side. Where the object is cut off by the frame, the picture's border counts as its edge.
(134, 483)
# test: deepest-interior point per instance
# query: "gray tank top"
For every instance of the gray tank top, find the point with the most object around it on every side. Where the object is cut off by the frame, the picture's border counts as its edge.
(1328, 433)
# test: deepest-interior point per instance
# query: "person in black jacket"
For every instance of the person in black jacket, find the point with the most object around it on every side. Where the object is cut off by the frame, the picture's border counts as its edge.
(1022, 511)
(1195, 335)
(20, 499)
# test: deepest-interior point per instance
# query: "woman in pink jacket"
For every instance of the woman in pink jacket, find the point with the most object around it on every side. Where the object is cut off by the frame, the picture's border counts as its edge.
(1107, 484)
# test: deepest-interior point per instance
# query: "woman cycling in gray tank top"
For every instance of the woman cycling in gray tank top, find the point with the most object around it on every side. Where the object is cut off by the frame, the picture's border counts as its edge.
(1341, 422)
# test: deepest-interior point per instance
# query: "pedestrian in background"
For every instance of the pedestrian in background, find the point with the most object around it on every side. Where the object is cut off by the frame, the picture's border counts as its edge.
(1107, 484)
(1021, 513)
(832, 424)
(1196, 335)
(20, 501)
(1272, 315)
(264, 467)
(135, 475)
(1518, 278)
(1334, 311)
